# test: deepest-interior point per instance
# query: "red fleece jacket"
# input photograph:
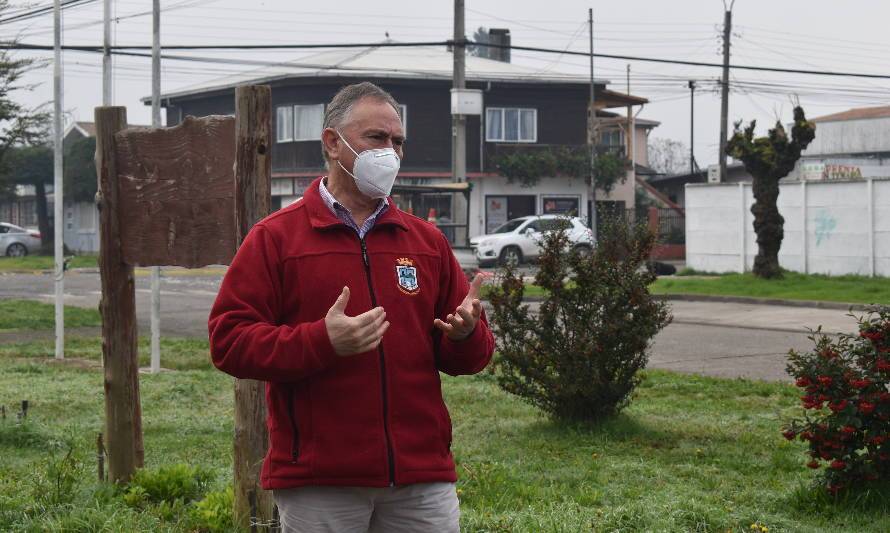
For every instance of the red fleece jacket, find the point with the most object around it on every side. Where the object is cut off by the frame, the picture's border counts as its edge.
(372, 419)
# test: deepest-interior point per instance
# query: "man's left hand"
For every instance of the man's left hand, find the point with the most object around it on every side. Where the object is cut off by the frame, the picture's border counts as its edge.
(460, 324)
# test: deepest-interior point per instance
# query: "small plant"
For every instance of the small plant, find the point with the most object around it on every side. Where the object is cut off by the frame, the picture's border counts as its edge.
(214, 513)
(167, 484)
(846, 401)
(578, 357)
(57, 482)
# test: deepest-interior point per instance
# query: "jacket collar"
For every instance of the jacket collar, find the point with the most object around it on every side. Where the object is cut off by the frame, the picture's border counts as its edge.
(321, 217)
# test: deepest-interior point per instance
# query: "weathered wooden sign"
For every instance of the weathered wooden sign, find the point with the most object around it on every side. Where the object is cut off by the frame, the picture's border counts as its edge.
(177, 193)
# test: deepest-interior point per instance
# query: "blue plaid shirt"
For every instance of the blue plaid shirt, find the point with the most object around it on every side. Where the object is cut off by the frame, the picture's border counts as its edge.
(341, 212)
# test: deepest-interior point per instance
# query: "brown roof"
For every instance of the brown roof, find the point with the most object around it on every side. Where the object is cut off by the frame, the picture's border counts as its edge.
(857, 114)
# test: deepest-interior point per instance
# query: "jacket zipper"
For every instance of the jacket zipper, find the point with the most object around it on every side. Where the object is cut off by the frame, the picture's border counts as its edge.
(295, 445)
(389, 452)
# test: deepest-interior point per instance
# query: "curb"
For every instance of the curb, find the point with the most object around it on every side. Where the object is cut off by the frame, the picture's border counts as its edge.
(817, 304)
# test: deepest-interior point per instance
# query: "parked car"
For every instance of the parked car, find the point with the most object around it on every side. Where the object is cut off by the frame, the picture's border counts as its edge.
(520, 239)
(16, 241)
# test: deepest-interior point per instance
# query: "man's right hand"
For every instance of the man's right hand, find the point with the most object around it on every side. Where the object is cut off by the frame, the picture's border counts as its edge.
(352, 335)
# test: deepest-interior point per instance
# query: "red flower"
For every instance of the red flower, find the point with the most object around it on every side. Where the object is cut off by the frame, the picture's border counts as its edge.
(866, 408)
(885, 397)
(813, 464)
(828, 353)
(825, 380)
(883, 365)
(807, 435)
(825, 455)
(838, 406)
(860, 383)
(849, 430)
(835, 488)
(789, 434)
(837, 464)
(877, 440)
(803, 381)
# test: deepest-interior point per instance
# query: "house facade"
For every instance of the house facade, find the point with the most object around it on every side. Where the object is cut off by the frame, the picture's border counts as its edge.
(523, 109)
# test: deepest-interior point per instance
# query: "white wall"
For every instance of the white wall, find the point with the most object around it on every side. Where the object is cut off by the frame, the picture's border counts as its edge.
(81, 231)
(836, 227)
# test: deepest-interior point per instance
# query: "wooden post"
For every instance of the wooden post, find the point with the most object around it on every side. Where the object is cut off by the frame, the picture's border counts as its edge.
(123, 414)
(253, 198)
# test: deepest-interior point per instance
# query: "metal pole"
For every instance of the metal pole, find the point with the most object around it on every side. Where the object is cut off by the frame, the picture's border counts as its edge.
(58, 196)
(156, 123)
(106, 53)
(691, 126)
(724, 102)
(459, 122)
(591, 132)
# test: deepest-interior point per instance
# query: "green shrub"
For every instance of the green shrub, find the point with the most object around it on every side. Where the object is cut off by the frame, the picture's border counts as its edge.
(57, 482)
(578, 357)
(214, 512)
(168, 484)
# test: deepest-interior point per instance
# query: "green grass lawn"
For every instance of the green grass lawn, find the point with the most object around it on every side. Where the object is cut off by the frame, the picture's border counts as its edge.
(44, 262)
(29, 314)
(794, 286)
(689, 454)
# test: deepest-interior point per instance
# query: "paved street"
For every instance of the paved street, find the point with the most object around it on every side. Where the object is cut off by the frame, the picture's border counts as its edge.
(714, 338)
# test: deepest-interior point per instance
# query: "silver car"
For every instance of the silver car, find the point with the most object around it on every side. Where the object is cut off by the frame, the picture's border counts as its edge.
(16, 241)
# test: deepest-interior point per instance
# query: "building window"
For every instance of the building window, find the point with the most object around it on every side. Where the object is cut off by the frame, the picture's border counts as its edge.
(284, 120)
(611, 138)
(308, 122)
(511, 124)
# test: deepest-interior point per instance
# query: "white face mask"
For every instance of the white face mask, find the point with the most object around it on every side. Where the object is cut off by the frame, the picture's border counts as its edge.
(374, 171)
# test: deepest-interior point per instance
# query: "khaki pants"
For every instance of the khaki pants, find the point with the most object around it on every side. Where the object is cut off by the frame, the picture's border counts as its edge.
(423, 508)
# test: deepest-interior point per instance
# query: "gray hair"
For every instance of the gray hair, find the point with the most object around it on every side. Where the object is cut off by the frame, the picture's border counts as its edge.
(336, 114)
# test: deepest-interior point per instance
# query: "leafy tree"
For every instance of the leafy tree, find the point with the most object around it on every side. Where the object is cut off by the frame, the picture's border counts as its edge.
(528, 166)
(578, 357)
(80, 170)
(769, 159)
(19, 125)
(31, 165)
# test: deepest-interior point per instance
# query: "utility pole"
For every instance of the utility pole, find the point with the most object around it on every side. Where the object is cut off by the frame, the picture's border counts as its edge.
(591, 132)
(156, 123)
(691, 126)
(58, 197)
(106, 53)
(724, 102)
(458, 121)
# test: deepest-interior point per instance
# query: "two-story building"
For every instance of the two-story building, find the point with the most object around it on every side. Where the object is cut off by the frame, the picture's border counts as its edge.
(523, 109)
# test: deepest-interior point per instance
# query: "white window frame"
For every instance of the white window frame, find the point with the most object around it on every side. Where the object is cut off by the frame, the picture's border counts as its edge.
(503, 111)
(278, 130)
(317, 136)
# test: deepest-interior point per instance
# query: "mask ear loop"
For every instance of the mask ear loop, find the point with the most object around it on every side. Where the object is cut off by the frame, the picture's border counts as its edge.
(342, 138)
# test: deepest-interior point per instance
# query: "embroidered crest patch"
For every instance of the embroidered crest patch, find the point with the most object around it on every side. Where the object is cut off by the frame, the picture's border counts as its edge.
(406, 273)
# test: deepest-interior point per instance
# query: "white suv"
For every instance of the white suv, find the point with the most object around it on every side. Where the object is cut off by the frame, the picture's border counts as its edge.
(520, 239)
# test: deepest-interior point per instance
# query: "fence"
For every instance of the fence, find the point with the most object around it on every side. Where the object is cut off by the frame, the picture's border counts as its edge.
(831, 227)
(669, 226)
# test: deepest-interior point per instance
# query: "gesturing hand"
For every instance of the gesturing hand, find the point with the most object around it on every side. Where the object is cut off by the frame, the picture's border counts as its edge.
(461, 323)
(351, 335)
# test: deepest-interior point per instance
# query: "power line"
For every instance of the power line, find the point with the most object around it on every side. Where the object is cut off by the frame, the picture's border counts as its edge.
(124, 50)
(44, 10)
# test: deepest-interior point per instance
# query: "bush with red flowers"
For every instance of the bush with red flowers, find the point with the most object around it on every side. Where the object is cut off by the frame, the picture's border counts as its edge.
(846, 399)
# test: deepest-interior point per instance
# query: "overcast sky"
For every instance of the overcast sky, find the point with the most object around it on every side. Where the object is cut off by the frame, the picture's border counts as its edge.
(805, 34)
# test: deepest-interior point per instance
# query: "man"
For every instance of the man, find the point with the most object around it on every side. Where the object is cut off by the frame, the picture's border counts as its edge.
(348, 308)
